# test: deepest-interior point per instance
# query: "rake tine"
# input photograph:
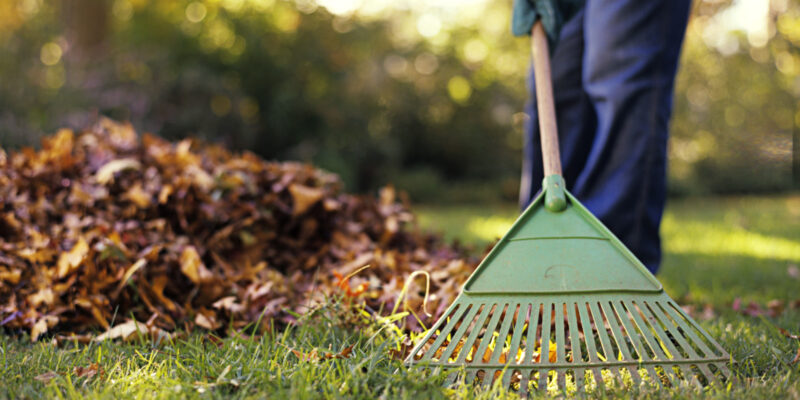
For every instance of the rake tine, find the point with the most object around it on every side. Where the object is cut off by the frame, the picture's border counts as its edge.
(723, 369)
(682, 317)
(560, 345)
(501, 339)
(476, 329)
(523, 384)
(533, 321)
(444, 333)
(579, 374)
(661, 332)
(689, 376)
(635, 377)
(451, 378)
(488, 334)
(471, 375)
(622, 312)
(588, 336)
(507, 374)
(459, 334)
(575, 341)
(673, 329)
(516, 338)
(560, 338)
(645, 330)
(598, 379)
(544, 343)
(655, 380)
(612, 322)
(488, 377)
(616, 375)
(608, 351)
(672, 375)
(432, 331)
(710, 376)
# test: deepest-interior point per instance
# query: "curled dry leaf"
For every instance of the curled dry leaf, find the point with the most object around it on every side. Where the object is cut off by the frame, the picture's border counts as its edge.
(105, 174)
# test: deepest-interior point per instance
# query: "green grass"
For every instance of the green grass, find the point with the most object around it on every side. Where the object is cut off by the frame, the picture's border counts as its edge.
(716, 250)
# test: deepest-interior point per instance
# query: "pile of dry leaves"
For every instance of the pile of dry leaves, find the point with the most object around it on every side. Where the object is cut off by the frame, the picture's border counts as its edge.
(105, 226)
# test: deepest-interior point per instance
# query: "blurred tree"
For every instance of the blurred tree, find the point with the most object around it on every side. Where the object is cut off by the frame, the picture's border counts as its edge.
(379, 91)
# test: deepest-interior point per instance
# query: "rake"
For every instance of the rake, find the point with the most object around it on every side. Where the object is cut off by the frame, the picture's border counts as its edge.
(561, 304)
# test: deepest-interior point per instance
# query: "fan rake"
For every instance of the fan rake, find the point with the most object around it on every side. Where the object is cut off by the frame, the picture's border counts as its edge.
(560, 303)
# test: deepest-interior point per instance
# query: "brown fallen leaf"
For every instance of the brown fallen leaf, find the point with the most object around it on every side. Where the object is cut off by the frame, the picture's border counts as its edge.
(775, 308)
(304, 197)
(345, 353)
(786, 333)
(89, 372)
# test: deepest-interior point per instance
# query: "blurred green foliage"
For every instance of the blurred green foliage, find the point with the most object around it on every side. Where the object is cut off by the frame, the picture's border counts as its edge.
(425, 95)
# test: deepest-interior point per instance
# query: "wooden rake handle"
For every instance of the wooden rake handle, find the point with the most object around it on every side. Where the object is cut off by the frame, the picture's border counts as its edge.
(544, 101)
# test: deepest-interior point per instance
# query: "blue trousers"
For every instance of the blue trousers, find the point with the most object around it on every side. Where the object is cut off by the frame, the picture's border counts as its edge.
(613, 77)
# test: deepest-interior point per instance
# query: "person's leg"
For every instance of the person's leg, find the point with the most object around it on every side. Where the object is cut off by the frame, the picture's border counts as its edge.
(574, 113)
(629, 64)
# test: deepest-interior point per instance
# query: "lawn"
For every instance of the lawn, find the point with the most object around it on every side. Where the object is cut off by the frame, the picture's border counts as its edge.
(721, 254)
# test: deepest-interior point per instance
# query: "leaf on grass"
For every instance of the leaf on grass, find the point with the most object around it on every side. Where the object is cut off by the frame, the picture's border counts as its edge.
(89, 372)
(42, 325)
(228, 303)
(793, 271)
(206, 321)
(786, 333)
(345, 353)
(46, 377)
(132, 330)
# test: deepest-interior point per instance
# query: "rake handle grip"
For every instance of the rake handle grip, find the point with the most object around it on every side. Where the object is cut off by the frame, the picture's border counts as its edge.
(548, 130)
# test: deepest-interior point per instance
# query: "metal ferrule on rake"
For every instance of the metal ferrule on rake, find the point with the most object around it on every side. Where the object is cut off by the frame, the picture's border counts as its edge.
(560, 303)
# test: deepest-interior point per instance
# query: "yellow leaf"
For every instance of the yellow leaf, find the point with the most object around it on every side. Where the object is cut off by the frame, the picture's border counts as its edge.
(71, 260)
(131, 270)
(11, 276)
(138, 196)
(304, 197)
(42, 325)
(106, 173)
(43, 296)
(192, 266)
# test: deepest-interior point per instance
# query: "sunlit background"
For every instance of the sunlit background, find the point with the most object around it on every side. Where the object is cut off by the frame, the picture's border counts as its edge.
(423, 94)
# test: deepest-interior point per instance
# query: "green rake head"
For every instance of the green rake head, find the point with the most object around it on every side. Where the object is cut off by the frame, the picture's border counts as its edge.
(560, 303)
